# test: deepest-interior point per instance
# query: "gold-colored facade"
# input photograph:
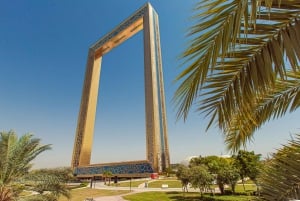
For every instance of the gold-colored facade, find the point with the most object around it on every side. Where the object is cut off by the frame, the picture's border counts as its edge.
(157, 150)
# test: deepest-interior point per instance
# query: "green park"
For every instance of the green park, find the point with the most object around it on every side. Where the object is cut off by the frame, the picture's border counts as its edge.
(238, 72)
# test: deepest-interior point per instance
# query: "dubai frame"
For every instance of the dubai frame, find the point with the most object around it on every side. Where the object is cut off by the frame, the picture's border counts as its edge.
(157, 150)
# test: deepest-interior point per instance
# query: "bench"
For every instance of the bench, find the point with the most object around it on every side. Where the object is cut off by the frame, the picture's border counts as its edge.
(89, 199)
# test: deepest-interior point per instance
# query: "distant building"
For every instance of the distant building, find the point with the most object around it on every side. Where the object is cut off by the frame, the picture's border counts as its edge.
(187, 160)
(226, 156)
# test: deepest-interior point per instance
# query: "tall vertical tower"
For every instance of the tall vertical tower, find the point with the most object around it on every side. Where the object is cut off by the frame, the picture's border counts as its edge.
(157, 150)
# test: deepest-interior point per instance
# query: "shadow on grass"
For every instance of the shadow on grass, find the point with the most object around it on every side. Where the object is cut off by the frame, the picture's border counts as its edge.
(180, 196)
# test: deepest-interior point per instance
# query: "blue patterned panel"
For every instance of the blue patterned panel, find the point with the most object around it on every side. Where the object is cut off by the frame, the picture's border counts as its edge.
(131, 168)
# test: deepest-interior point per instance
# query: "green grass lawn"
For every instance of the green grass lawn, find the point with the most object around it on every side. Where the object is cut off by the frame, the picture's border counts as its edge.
(25, 193)
(127, 183)
(171, 183)
(151, 183)
(82, 193)
(248, 188)
(179, 196)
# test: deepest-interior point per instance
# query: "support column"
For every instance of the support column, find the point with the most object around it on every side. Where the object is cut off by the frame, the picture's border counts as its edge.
(151, 94)
(88, 107)
(165, 156)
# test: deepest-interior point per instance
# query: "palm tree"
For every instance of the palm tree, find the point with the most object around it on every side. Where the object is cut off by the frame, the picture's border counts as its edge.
(16, 156)
(48, 183)
(280, 178)
(107, 174)
(236, 72)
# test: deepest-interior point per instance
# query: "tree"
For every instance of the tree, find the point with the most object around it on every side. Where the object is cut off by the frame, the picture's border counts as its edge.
(16, 156)
(248, 164)
(224, 170)
(236, 71)
(231, 174)
(280, 177)
(183, 174)
(220, 165)
(107, 175)
(196, 161)
(64, 173)
(201, 178)
(214, 163)
(49, 183)
(169, 171)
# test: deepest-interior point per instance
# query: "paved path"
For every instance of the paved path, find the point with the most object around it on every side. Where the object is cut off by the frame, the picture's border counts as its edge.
(140, 188)
(101, 185)
(114, 198)
(109, 198)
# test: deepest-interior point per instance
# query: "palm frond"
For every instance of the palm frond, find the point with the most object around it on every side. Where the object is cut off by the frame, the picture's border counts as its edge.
(18, 155)
(6, 193)
(280, 179)
(206, 47)
(252, 71)
(283, 98)
(235, 56)
(49, 180)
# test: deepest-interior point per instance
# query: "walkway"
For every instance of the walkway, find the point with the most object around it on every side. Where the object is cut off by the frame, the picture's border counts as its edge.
(140, 188)
(112, 198)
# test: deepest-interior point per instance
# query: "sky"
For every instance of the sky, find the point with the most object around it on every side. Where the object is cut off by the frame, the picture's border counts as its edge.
(43, 53)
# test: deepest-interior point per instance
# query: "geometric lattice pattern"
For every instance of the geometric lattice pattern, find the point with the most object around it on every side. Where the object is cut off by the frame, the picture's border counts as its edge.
(137, 168)
(157, 149)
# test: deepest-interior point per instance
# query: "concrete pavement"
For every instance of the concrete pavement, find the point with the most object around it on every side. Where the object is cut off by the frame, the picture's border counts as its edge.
(110, 198)
(141, 188)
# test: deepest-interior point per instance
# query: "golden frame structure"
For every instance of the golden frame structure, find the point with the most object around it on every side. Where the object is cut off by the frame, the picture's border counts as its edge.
(157, 149)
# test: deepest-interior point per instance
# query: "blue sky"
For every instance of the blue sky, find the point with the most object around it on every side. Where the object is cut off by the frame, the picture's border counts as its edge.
(43, 51)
